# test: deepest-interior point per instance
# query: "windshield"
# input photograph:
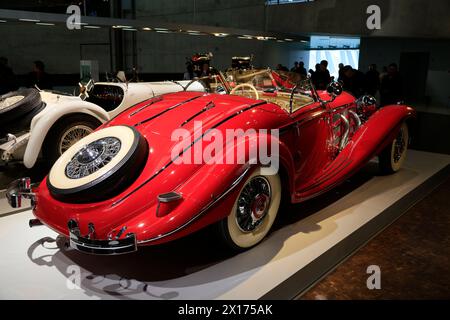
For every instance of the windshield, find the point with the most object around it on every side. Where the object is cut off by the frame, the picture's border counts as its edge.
(267, 85)
(272, 86)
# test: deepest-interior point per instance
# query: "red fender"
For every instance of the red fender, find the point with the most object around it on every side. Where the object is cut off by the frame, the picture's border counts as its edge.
(373, 136)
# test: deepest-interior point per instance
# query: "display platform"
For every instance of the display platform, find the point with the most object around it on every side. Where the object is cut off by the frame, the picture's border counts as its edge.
(309, 240)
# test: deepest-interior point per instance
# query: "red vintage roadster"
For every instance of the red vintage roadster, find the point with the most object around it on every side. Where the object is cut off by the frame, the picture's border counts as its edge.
(121, 187)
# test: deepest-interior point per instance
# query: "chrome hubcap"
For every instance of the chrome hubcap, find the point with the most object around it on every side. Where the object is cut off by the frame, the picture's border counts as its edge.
(93, 157)
(253, 204)
(72, 136)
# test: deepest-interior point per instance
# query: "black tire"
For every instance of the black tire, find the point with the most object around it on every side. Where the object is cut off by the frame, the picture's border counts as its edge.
(51, 148)
(105, 186)
(21, 124)
(391, 161)
(31, 100)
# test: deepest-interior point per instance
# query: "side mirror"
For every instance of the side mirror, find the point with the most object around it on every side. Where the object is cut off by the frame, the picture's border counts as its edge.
(335, 89)
(368, 101)
(366, 106)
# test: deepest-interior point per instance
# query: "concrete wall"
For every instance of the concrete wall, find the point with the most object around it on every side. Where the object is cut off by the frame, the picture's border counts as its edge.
(59, 48)
(160, 53)
(243, 14)
(400, 18)
(385, 51)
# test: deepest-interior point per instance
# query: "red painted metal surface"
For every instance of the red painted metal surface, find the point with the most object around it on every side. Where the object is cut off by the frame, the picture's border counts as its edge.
(309, 156)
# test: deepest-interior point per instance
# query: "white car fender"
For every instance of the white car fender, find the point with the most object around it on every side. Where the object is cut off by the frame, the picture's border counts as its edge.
(42, 123)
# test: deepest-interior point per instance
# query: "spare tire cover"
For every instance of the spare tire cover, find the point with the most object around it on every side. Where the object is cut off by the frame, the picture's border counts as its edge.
(99, 167)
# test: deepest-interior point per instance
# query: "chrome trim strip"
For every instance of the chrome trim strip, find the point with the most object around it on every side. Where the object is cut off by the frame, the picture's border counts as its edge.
(154, 100)
(356, 118)
(209, 106)
(167, 110)
(203, 211)
(344, 139)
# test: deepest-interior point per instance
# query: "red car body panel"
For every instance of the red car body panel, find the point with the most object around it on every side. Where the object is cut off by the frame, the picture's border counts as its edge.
(309, 157)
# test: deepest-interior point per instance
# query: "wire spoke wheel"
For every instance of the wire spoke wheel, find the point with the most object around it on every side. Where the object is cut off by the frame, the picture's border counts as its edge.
(253, 204)
(93, 157)
(72, 136)
(253, 213)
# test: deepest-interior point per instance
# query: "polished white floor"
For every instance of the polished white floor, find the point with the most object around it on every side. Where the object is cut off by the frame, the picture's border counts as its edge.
(32, 265)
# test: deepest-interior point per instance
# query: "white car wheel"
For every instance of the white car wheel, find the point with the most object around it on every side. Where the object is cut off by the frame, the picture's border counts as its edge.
(98, 166)
(253, 213)
(393, 157)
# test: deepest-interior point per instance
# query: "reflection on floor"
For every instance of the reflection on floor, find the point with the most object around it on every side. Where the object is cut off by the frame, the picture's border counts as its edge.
(413, 254)
(34, 264)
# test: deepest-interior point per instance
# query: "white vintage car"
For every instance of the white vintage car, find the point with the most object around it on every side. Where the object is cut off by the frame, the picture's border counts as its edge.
(40, 123)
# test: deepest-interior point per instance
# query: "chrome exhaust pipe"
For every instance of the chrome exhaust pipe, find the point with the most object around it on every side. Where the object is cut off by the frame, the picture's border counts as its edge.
(33, 223)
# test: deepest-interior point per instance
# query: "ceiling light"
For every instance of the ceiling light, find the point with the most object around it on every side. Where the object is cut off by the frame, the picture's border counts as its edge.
(289, 40)
(45, 24)
(161, 29)
(129, 29)
(3, 21)
(122, 27)
(147, 29)
(92, 27)
(221, 35)
(29, 20)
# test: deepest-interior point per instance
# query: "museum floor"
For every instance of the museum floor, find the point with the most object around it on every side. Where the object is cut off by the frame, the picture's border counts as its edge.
(413, 254)
(309, 241)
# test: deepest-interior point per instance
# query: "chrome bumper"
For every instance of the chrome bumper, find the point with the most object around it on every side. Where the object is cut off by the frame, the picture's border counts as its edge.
(100, 247)
(19, 189)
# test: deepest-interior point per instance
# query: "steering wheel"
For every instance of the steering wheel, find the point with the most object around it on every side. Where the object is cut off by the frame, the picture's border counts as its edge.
(247, 86)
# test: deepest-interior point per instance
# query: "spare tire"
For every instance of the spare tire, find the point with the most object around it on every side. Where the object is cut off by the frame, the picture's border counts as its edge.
(99, 167)
(16, 104)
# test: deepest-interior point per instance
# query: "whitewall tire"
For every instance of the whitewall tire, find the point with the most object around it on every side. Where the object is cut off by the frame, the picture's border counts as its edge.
(253, 213)
(392, 159)
(99, 166)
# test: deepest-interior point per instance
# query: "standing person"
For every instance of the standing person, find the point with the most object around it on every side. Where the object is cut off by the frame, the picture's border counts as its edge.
(354, 81)
(295, 68)
(302, 69)
(315, 77)
(325, 77)
(341, 72)
(391, 86)
(372, 80)
(189, 74)
(38, 77)
(7, 77)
